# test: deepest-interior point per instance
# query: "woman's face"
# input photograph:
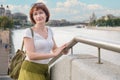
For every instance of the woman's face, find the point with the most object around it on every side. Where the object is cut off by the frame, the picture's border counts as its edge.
(39, 16)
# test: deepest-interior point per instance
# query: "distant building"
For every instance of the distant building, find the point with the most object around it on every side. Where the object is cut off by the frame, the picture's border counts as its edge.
(21, 17)
(8, 12)
(2, 10)
(93, 17)
(108, 16)
(5, 12)
(62, 22)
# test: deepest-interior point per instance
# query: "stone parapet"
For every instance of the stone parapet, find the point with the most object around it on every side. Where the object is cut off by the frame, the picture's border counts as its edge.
(84, 67)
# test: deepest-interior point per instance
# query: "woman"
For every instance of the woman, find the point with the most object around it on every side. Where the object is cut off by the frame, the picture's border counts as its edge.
(39, 48)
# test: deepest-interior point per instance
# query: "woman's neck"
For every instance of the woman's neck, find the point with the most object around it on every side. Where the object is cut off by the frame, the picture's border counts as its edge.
(40, 26)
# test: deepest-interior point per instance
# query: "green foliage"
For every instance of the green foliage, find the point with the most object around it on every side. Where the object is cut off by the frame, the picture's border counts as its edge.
(6, 22)
(17, 22)
(93, 23)
(109, 22)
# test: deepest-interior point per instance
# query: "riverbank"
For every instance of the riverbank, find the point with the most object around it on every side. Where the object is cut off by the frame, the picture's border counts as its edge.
(4, 51)
(106, 28)
(4, 36)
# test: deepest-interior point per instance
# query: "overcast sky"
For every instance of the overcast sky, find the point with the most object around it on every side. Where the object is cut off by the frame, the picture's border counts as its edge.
(71, 10)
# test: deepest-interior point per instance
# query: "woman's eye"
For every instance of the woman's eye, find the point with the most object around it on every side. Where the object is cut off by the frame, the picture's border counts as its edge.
(34, 13)
(40, 12)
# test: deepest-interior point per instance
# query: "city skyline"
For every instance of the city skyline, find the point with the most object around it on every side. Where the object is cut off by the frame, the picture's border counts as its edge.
(71, 10)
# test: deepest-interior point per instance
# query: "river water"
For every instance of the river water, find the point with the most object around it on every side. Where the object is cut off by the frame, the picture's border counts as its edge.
(65, 34)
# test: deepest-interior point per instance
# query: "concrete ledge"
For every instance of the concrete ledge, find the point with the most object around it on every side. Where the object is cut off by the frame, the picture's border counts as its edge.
(84, 67)
(61, 69)
(5, 77)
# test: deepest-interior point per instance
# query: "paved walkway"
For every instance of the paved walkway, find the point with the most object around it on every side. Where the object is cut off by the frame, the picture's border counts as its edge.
(3, 60)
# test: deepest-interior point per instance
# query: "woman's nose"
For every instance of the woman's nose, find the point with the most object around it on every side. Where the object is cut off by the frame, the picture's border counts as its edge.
(38, 15)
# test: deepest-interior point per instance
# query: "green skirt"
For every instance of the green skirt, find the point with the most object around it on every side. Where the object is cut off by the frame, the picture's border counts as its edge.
(33, 71)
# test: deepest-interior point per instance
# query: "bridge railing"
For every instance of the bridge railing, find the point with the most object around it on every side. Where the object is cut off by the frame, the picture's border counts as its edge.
(98, 44)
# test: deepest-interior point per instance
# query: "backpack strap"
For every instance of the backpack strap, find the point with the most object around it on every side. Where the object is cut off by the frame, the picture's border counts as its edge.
(32, 32)
(32, 37)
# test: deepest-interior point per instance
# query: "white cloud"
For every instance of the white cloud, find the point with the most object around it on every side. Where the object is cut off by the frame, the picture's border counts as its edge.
(2, 1)
(70, 10)
(44, 1)
(19, 8)
(77, 10)
(81, 18)
(67, 7)
(94, 7)
(108, 11)
(68, 3)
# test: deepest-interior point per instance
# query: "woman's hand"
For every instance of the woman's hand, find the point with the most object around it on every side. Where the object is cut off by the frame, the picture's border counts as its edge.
(65, 51)
(58, 50)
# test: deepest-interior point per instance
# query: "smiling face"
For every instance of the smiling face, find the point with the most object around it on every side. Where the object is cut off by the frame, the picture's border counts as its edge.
(39, 13)
(39, 16)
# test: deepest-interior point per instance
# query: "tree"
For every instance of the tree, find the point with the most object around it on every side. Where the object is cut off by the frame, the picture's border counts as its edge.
(109, 22)
(6, 22)
(17, 22)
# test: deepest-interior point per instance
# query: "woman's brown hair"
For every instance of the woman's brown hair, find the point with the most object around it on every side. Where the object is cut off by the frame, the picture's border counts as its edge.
(36, 7)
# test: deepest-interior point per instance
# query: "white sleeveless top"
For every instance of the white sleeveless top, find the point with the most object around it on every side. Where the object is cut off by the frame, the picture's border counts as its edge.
(41, 44)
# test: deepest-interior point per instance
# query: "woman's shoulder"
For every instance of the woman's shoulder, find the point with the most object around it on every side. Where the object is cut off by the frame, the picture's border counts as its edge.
(27, 32)
(50, 30)
(27, 29)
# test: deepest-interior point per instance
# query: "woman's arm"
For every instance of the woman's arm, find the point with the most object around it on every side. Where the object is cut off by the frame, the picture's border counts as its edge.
(54, 46)
(30, 50)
